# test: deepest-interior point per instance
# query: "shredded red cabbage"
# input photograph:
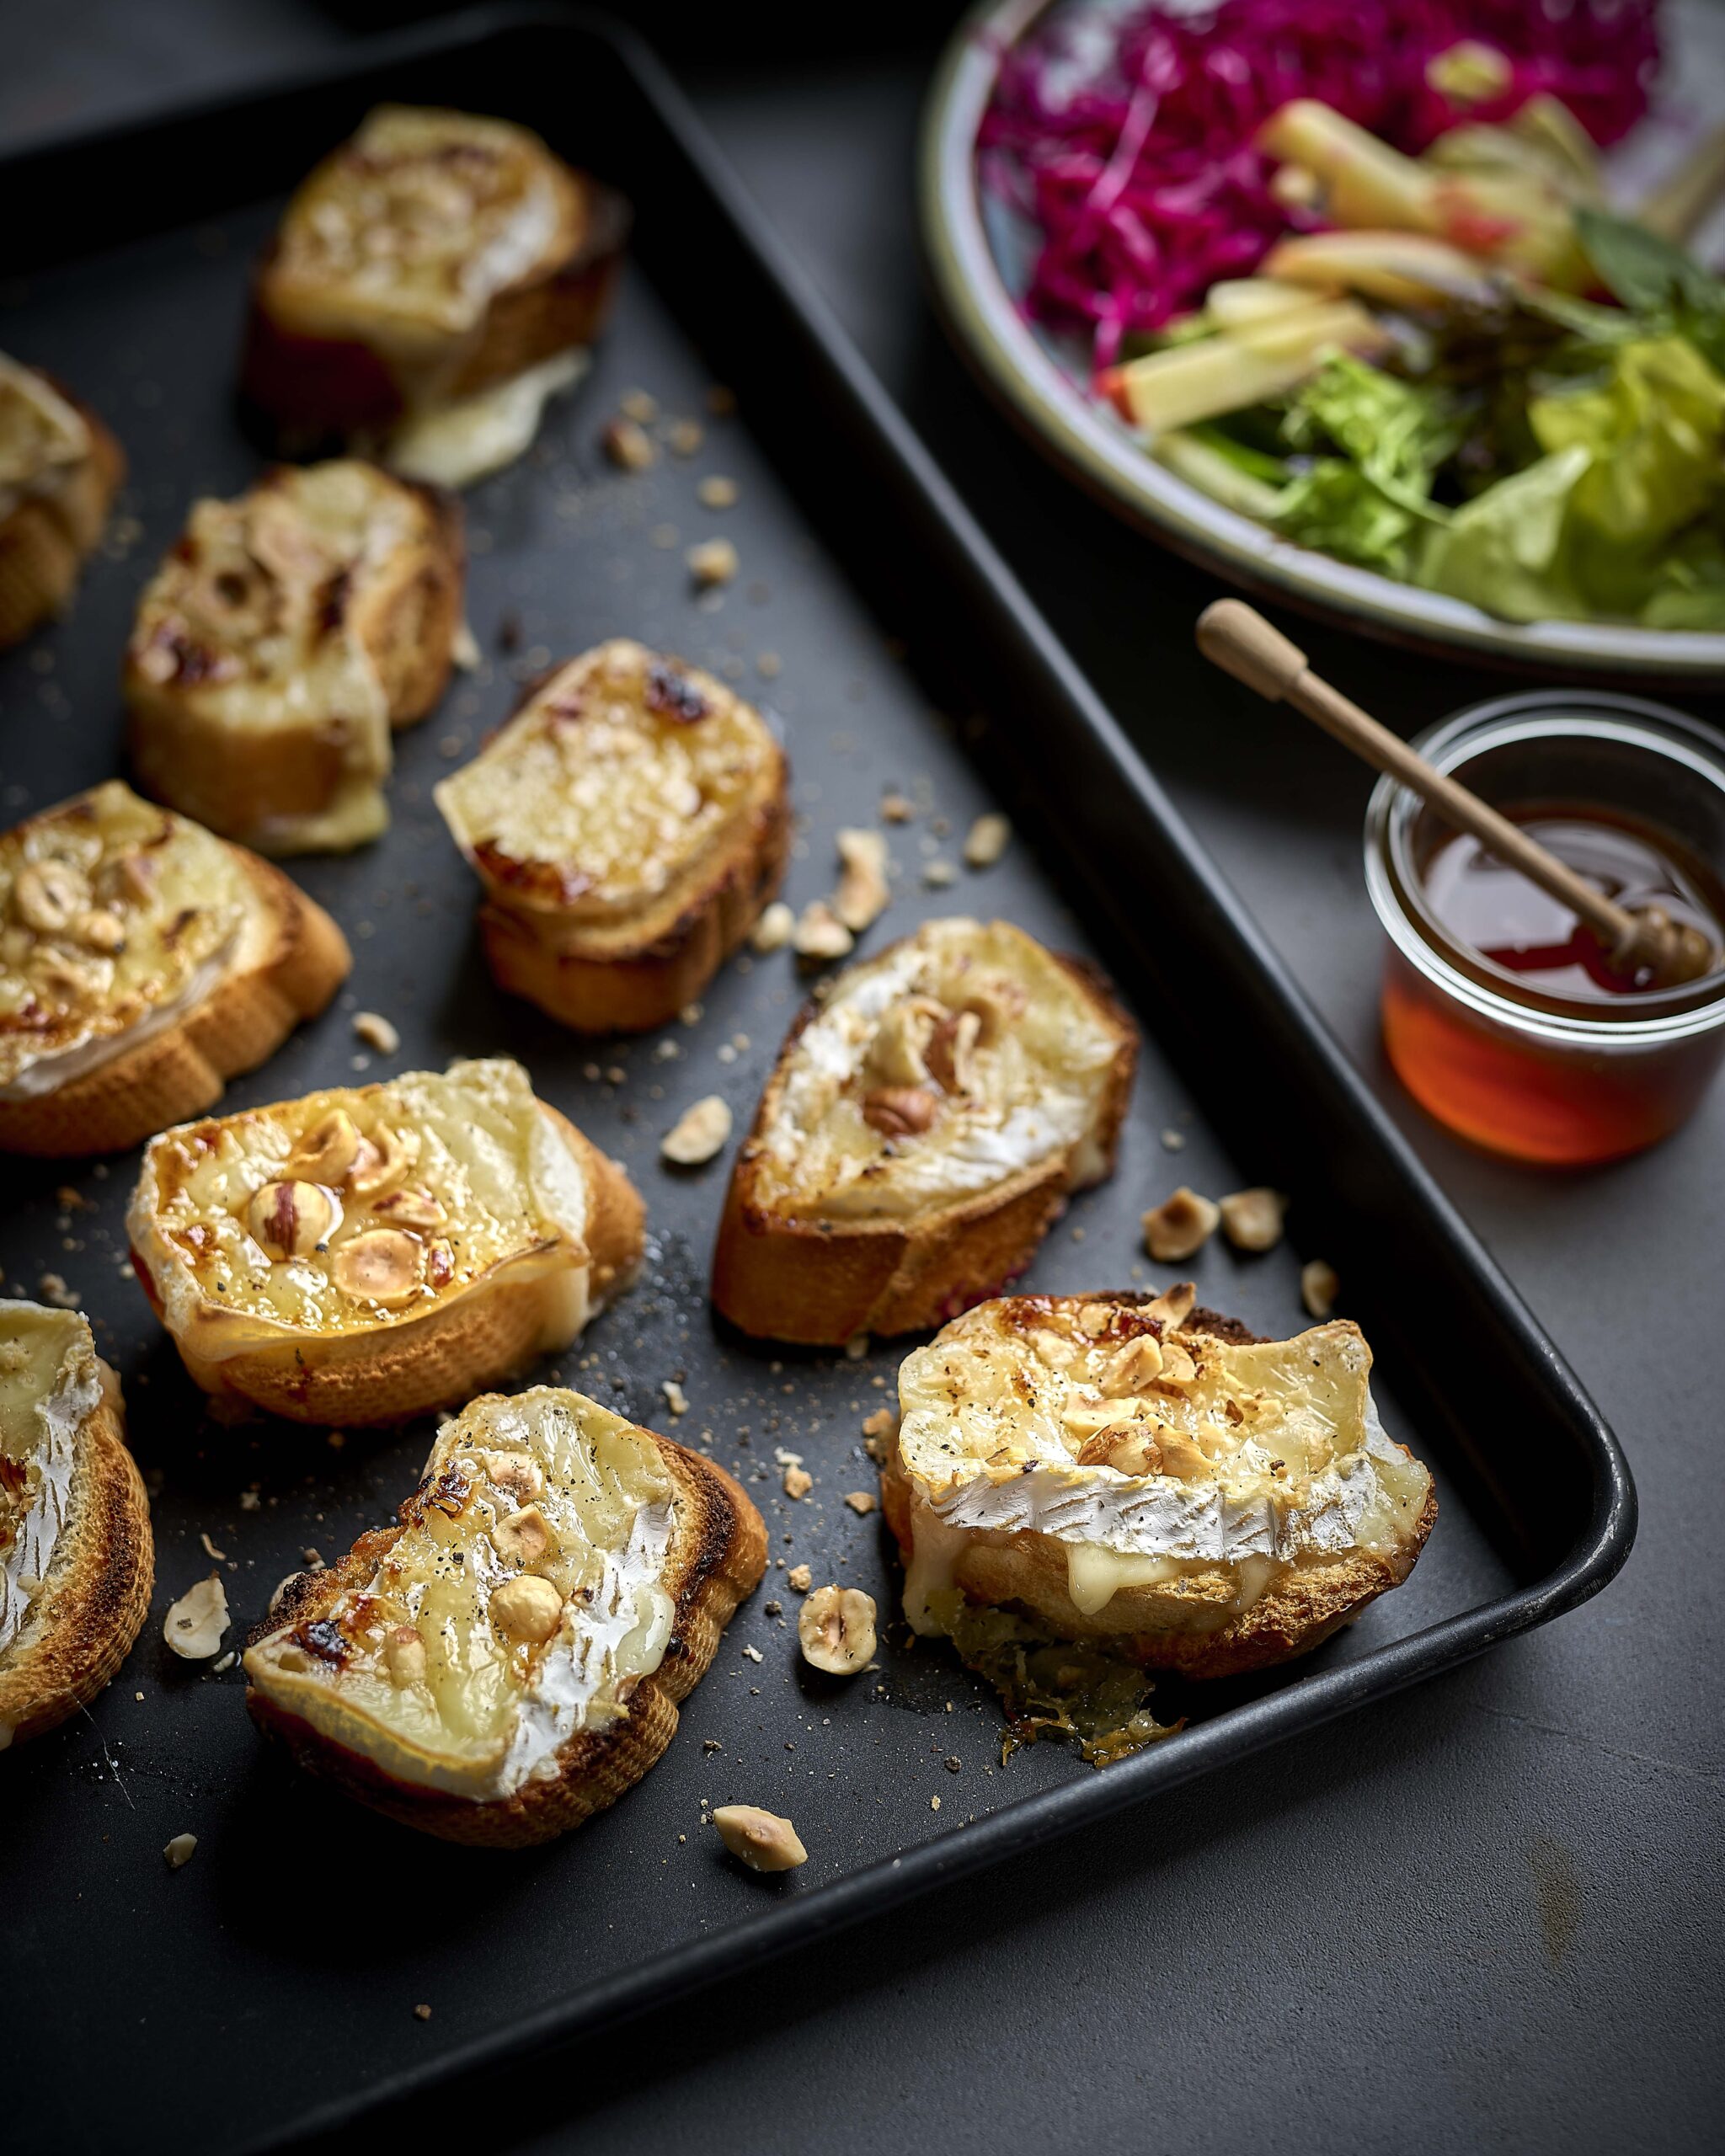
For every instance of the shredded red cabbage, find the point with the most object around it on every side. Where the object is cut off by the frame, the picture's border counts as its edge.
(1126, 140)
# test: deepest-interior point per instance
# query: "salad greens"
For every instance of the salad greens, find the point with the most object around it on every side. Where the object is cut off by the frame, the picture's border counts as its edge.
(1586, 480)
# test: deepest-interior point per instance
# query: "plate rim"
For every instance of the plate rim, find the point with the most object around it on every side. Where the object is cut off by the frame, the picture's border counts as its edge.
(986, 323)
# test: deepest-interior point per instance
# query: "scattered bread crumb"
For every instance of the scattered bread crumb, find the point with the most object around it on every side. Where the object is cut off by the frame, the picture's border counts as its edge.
(800, 1578)
(986, 841)
(374, 1030)
(717, 492)
(628, 444)
(1179, 1225)
(1319, 1288)
(210, 1551)
(422, 2013)
(684, 437)
(862, 1502)
(639, 405)
(798, 1482)
(1174, 1141)
(712, 562)
(897, 809)
(768, 665)
(698, 1134)
(53, 1290)
(674, 1397)
(938, 874)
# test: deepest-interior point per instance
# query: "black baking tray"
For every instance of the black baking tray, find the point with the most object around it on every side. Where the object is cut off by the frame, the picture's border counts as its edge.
(266, 1992)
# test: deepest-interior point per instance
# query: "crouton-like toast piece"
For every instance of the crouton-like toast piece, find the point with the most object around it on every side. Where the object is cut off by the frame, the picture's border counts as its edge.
(628, 824)
(924, 1124)
(366, 1253)
(508, 1660)
(59, 470)
(280, 642)
(433, 282)
(143, 962)
(1130, 1471)
(77, 1562)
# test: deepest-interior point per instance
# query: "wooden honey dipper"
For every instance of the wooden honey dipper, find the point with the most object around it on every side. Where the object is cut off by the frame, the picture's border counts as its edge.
(1237, 638)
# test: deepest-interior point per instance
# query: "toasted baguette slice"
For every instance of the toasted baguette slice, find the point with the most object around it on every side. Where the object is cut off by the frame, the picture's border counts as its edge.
(508, 1660)
(283, 638)
(1132, 1471)
(77, 1562)
(628, 824)
(60, 468)
(434, 281)
(143, 962)
(364, 1254)
(923, 1125)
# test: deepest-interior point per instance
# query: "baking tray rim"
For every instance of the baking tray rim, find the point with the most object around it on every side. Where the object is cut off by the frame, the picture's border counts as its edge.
(1311, 1699)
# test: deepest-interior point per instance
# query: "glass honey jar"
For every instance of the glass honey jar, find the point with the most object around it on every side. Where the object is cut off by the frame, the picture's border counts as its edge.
(1502, 1014)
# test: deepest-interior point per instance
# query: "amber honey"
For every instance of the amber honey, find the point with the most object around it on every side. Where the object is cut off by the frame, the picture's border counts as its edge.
(1502, 1014)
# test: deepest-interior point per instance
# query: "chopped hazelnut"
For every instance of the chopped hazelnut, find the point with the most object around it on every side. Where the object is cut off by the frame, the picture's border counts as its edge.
(180, 1850)
(986, 841)
(628, 444)
(526, 1607)
(412, 1207)
(382, 1159)
(1318, 1288)
(835, 1627)
(951, 1049)
(675, 1398)
(328, 1150)
(290, 1220)
(712, 563)
(525, 1538)
(513, 1474)
(1173, 1306)
(382, 1266)
(1180, 1225)
(1132, 1366)
(761, 1839)
(376, 1031)
(100, 930)
(194, 1624)
(404, 1657)
(1181, 1458)
(772, 931)
(820, 934)
(1252, 1219)
(899, 1111)
(48, 896)
(698, 1134)
(863, 893)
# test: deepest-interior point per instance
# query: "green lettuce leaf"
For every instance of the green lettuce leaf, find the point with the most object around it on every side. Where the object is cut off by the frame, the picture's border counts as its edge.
(1504, 550)
(1397, 432)
(1656, 428)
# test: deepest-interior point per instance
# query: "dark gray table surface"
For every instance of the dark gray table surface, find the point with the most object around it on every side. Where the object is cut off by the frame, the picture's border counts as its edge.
(1485, 1916)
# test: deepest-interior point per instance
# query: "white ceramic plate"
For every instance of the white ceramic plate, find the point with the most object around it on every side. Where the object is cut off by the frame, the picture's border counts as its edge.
(979, 251)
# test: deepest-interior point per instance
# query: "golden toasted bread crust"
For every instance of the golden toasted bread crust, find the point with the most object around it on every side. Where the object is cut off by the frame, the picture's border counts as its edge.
(258, 785)
(631, 984)
(316, 392)
(46, 539)
(98, 1593)
(1175, 1626)
(179, 1072)
(822, 1282)
(716, 1559)
(386, 1374)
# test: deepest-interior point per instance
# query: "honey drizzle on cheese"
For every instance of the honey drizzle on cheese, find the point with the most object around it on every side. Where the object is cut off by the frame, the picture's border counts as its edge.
(488, 1712)
(485, 1177)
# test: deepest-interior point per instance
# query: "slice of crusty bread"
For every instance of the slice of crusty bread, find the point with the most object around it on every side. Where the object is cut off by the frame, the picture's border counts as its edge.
(71, 1495)
(286, 959)
(867, 1232)
(285, 636)
(248, 1326)
(319, 1637)
(503, 256)
(1029, 1413)
(54, 503)
(628, 824)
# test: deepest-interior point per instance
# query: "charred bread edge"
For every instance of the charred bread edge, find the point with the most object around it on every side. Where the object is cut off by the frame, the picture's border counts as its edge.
(820, 1283)
(724, 1565)
(386, 1374)
(633, 988)
(1280, 1626)
(98, 1594)
(41, 553)
(178, 1073)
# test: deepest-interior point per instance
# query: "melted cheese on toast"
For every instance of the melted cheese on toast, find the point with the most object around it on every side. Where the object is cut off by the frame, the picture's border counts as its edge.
(43, 439)
(954, 1060)
(50, 1386)
(620, 776)
(360, 1206)
(116, 918)
(444, 1670)
(1149, 1453)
